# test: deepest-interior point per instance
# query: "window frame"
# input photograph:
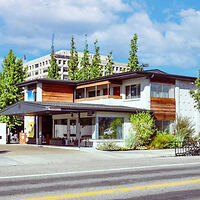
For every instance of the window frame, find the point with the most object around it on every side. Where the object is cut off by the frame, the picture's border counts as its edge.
(128, 91)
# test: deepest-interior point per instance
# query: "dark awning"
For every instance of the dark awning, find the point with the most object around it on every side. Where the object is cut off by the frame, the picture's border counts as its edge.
(24, 108)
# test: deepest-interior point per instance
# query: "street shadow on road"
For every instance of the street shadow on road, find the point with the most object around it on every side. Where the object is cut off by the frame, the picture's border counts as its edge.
(175, 195)
(4, 151)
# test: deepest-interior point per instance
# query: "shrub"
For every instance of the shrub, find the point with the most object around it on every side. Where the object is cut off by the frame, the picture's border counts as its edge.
(110, 146)
(163, 140)
(130, 141)
(143, 127)
(183, 128)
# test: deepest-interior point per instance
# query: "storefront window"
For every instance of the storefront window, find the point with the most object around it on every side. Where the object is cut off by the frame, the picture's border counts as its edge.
(110, 128)
(60, 128)
(87, 127)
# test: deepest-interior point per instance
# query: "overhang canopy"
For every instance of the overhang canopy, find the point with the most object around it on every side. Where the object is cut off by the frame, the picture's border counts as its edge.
(25, 108)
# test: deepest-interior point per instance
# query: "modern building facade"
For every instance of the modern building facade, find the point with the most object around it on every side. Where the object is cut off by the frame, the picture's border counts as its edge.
(98, 110)
(38, 68)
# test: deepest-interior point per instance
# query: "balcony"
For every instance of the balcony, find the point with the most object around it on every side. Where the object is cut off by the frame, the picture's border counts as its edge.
(97, 91)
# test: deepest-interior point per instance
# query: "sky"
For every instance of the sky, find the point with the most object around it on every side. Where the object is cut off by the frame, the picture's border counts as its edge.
(168, 30)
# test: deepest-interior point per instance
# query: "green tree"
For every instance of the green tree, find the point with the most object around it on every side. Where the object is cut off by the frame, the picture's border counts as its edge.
(12, 74)
(142, 124)
(83, 73)
(73, 62)
(53, 69)
(96, 67)
(109, 68)
(133, 62)
(196, 94)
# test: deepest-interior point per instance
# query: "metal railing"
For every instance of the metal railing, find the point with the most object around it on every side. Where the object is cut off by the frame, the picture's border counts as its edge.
(187, 148)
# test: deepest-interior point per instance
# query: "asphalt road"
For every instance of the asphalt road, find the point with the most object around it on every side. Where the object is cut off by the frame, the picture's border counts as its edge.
(161, 182)
(97, 176)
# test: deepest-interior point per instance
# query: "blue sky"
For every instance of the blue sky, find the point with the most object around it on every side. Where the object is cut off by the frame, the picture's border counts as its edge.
(168, 30)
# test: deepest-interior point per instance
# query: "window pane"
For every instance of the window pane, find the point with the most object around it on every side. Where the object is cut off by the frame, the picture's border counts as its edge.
(138, 91)
(166, 124)
(156, 90)
(165, 91)
(133, 91)
(91, 94)
(79, 94)
(105, 91)
(87, 126)
(128, 94)
(110, 128)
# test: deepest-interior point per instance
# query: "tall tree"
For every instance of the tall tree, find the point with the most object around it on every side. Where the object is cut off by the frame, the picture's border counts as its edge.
(96, 66)
(109, 68)
(53, 69)
(73, 62)
(196, 94)
(12, 74)
(83, 73)
(133, 63)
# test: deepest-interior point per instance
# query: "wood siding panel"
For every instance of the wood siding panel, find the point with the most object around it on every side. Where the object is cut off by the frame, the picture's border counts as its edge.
(164, 108)
(99, 97)
(93, 84)
(53, 92)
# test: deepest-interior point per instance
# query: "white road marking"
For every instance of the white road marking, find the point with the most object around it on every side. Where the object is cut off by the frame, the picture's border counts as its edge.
(99, 170)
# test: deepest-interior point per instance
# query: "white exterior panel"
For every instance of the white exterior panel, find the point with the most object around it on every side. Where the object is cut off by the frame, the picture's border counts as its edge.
(185, 103)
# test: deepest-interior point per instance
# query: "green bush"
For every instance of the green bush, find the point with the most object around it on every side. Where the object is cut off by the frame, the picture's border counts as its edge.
(110, 146)
(163, 140)
(130, 141)
(143, 126)
(183, 128)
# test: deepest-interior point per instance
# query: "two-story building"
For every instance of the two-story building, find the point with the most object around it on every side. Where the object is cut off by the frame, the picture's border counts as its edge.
(99, 109)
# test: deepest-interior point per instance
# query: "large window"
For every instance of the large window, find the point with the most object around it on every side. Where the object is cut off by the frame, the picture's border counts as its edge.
(133, 91)
(110, 128)
(87, 127)
(162, 90)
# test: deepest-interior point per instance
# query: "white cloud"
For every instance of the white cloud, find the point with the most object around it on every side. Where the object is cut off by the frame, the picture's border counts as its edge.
(166, 44)
(29, 25)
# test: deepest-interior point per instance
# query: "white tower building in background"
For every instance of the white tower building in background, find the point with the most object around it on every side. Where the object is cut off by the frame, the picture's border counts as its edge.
(38, 68)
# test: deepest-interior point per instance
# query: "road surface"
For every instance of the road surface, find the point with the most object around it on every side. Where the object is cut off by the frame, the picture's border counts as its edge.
(153, 182)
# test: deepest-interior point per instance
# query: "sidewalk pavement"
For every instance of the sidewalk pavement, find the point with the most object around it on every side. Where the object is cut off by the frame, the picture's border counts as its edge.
(18, 159)
(25, 150)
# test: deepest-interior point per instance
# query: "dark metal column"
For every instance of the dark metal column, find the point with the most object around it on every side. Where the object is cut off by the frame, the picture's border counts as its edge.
(37, 129)
(79, 130)
(40, 129)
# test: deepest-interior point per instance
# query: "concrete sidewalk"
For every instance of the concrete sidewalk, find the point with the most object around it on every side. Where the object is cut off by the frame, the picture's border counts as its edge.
(34, 150)
(32, 159)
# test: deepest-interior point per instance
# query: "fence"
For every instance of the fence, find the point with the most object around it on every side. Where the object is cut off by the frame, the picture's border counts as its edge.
(187, 148)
